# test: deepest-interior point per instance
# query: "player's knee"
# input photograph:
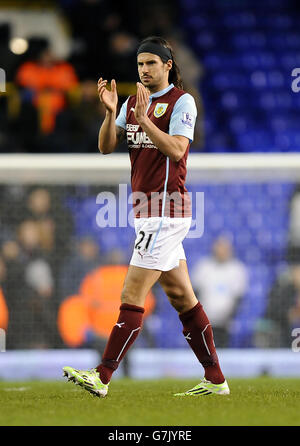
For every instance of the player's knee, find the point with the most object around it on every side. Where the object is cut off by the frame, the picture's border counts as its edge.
(132, 298)
(181, 299)
(175, 294)
(128, 298)
(176, 297)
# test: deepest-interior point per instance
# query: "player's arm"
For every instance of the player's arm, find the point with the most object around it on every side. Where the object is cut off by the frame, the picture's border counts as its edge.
(110, 135)
(173, 146)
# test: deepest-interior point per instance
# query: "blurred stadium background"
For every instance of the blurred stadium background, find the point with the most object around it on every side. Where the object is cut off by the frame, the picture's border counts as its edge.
(60, 272)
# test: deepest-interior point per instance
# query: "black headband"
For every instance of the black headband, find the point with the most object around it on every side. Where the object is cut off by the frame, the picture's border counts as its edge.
(154, 48)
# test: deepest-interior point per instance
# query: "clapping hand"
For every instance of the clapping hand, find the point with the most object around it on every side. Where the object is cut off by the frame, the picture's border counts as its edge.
(108, 98)
(142, 102)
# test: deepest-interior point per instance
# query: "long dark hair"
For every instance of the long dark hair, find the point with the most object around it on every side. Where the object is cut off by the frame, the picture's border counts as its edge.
(174, 74)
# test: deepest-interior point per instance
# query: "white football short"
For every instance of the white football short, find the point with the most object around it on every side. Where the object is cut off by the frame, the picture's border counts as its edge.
(158, 243)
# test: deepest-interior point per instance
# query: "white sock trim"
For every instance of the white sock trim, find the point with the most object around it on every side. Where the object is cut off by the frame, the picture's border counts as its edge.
(204, 340)
(128, 339)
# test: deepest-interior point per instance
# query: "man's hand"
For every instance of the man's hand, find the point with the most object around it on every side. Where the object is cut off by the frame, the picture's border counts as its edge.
(108, 98)
(142, 101)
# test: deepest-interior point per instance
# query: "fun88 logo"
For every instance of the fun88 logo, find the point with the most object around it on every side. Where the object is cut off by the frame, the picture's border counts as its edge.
(2, 81)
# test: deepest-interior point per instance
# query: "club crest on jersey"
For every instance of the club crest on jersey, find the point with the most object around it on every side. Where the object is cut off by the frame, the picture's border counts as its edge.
(160, 109)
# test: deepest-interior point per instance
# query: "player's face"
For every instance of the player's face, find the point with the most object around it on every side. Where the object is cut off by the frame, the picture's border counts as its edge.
(153, 72)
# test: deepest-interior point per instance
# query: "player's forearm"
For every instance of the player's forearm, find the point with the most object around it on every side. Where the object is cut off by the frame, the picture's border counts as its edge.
(167, 144)
(107, 140)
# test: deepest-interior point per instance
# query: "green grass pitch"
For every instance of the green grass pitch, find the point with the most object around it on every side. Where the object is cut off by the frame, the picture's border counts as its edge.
(261, 401)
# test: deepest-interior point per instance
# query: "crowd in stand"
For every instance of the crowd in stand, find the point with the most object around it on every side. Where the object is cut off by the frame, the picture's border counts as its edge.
(33, 250)
(51, 105)
(56, 289)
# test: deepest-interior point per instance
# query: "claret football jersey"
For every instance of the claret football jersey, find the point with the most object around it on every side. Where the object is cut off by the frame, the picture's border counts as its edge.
(158, 183)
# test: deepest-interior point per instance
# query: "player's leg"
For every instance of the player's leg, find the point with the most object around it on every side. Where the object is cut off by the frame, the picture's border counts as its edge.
(196, 326)
(177, 286)
(137, 285)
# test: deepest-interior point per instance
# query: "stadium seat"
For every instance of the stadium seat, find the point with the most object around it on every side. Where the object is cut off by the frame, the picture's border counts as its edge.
(229, 79)
(196, 22)
(205, 40)
(290, 59)
(288, 141)
(255, 60)
(249, 39)
(256, 140)
(243, 19)
(279, 100)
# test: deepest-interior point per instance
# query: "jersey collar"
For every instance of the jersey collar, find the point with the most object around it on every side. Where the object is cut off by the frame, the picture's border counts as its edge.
(161, 92)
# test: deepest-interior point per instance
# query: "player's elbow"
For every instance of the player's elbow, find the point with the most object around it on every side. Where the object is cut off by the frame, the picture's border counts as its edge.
(180, 148)
(104, 150)
(175, 158)
(178, 154)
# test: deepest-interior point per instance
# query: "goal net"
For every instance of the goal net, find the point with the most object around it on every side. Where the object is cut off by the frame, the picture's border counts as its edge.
(67, 237)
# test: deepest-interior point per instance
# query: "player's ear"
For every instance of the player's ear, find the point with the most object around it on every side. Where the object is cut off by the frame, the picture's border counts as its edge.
(169, 64)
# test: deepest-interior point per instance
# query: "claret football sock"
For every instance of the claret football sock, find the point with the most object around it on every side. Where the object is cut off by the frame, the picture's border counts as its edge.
(198, 333)
(122, 336)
